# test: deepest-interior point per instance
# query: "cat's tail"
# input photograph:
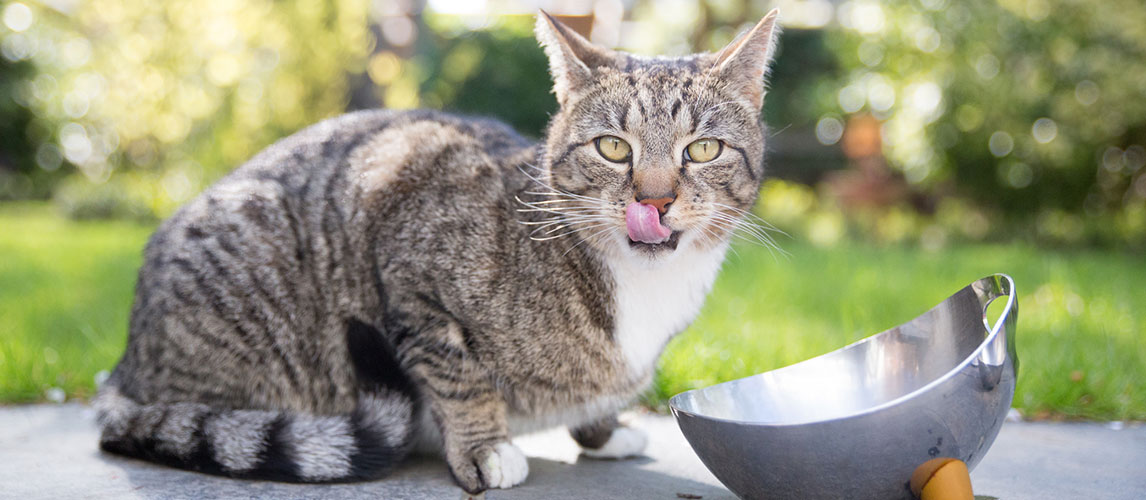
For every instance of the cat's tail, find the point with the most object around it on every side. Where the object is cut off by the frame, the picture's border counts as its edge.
(260, 444)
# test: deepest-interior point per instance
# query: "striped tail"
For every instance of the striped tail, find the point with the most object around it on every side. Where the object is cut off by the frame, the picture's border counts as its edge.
(259, 444)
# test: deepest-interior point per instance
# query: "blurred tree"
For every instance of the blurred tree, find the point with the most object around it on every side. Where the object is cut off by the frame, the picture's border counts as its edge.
(156, 99)
(1023, 105)
(508, 76)
(1028, 106)
(496, 70)
(19, 177)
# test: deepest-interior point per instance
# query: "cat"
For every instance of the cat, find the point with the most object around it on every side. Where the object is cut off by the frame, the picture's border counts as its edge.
(387, 281)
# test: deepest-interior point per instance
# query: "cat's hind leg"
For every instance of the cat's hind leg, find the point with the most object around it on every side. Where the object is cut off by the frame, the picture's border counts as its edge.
(469, 411)
(608, 439)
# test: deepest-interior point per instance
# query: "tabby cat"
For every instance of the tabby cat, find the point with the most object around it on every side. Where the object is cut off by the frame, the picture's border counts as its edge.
(388, 281)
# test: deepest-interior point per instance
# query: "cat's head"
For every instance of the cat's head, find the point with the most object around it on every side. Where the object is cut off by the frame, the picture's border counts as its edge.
(650, 155)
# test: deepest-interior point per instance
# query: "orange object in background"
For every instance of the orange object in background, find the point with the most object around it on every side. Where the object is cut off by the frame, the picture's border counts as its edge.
(942, 479)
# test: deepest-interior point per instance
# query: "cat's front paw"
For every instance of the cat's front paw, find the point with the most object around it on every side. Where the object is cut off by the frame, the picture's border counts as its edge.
(500, 465)
(624, 442)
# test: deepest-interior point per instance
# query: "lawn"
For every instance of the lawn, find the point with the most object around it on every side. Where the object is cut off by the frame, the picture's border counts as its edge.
(66, 289)
(65, 294)
(1081, 330)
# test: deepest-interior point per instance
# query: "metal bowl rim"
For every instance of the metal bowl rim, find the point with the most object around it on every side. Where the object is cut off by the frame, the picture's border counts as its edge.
(991, 335)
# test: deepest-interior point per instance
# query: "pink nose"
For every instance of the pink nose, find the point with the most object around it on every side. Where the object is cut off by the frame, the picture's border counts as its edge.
(662, 204)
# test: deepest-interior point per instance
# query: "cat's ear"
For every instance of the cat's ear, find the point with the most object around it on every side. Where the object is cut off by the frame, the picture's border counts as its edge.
(571, 57)
(744, 62)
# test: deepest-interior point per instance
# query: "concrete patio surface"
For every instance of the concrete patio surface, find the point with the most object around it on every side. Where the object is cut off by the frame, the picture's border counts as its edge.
(49, 451)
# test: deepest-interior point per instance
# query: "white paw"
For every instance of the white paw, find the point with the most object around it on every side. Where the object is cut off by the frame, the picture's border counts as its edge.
(625, 442)
(506, 466)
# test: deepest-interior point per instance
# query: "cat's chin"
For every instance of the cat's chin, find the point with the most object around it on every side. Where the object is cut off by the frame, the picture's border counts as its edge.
(653, 250)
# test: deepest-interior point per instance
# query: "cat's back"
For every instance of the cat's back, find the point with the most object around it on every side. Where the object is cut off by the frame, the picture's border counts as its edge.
(282, 243)
(360, 141)
(303, 201)
(419, 152)
(327, 169)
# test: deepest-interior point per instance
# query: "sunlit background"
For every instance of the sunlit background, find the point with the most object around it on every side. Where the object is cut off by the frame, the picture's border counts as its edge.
(909, 119)
(943, 137)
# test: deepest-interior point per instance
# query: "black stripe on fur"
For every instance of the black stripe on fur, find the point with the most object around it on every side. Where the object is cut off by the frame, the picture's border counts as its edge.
(200, 460)
(375, 360)
(275, 462)
(372, 459)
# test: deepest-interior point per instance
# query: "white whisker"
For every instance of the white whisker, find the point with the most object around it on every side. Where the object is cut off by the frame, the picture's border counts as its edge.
(590, 237)
(749, 225)
(756, 236)
(572, 210)
(776, 133)
(567, 233)
(554, 220)
(552, 191)
(759, 220)
(747, 231)
(571, 224)
(746, 226)
(543, 202)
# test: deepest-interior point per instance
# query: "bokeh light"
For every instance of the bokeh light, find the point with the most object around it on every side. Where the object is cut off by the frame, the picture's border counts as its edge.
(998, 103)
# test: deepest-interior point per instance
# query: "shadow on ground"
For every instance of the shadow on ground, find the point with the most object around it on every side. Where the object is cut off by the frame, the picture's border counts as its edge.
(49, 451)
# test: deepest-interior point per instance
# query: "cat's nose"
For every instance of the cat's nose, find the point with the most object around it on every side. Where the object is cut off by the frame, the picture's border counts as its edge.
(661, 203)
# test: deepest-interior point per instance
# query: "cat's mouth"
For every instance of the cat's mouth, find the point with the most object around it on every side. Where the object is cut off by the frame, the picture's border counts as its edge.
(669, 244)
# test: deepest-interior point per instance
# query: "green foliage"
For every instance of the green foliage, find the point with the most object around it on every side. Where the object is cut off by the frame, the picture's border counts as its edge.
(497, 71)
(19, 175)
(1033, 109)
(76, 198)
(66, 292)
(65, 295)
(164, 97)
(1023, 105)
(801, 212)
(1081, 333)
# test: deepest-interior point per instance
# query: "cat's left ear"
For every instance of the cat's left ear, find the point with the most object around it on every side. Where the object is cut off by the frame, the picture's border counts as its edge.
(744, 62)
(572, 58)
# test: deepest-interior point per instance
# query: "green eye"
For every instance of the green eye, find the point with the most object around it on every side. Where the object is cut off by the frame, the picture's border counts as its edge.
(614, 148)
(703, 150)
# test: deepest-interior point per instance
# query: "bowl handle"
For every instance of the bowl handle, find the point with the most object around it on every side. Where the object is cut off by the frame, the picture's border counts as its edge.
(1000, 340)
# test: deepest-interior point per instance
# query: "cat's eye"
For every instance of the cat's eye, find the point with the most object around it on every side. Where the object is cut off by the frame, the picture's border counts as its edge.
(614, 148)
(703, 150)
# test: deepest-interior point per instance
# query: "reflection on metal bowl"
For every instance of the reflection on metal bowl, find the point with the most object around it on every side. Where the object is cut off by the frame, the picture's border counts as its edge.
(854, 423)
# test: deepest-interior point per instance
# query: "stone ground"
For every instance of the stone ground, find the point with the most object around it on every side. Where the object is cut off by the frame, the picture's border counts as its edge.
(49, 451)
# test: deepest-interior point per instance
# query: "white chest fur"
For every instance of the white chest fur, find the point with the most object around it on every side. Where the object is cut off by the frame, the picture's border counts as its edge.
(656, 301)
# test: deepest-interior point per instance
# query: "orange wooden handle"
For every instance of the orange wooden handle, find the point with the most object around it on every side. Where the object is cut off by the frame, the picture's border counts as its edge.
(942, 479)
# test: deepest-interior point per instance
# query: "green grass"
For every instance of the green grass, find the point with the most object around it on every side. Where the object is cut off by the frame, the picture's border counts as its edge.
(65, 294)
(66, 291)
(1081, 326)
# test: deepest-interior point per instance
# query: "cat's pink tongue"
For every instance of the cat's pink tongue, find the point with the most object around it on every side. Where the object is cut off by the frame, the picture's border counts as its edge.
(644, 223)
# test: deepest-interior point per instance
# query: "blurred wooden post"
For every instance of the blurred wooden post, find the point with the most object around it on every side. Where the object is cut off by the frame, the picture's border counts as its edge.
(583, 25)
(862, 138)
(868, 182)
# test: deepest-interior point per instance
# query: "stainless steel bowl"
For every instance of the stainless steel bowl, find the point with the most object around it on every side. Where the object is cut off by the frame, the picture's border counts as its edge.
(856, 422)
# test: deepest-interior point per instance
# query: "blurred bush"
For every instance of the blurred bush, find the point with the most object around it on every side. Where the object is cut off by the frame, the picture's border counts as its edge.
(1032, 107)
(1029, 115)
(114, 200)
(19, 175)
(804, 213)
(160, 98)
(993, 119)
(496, 69)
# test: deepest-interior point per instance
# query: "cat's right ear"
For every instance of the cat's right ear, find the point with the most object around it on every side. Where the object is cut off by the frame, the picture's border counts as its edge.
(572, 58)
(744, 62)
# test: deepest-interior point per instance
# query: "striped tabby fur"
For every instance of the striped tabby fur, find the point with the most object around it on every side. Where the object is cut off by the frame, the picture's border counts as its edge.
(389, 280)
